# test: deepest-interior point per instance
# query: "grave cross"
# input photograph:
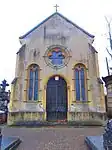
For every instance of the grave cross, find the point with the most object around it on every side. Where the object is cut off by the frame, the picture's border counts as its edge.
(56, 6)
(4, 84)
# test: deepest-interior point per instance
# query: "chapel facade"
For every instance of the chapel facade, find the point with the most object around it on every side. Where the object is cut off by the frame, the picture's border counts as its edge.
(57, 74)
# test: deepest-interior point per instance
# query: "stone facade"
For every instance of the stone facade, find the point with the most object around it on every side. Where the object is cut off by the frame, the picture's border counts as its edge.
(56, 30)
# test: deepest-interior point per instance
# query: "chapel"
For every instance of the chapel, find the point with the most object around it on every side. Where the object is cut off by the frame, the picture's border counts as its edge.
(56, 75)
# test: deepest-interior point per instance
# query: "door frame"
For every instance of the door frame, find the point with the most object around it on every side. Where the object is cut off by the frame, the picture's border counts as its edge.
(68, 92)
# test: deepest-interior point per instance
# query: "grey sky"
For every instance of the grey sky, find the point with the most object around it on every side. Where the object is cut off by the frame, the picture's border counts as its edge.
(19, 16)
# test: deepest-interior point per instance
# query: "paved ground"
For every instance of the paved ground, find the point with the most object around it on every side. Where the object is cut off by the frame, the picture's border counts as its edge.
(52, 138)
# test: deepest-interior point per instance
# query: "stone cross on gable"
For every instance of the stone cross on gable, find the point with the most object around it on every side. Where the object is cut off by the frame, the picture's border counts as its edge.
(56, 6)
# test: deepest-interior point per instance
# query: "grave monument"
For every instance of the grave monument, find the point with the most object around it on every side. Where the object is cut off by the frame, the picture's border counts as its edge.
(6, 143)
(104, 142)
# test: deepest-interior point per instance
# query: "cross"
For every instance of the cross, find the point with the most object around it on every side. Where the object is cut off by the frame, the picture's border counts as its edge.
(56, 7)
(4, 84)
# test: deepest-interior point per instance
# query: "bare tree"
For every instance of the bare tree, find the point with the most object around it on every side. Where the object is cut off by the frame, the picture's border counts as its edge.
(109, 50)
(109, 37)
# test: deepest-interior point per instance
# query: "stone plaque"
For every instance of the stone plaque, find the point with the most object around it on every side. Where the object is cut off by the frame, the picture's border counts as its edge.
(31, 107)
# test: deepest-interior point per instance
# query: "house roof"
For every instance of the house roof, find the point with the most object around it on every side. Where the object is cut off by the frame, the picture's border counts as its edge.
(56, 13)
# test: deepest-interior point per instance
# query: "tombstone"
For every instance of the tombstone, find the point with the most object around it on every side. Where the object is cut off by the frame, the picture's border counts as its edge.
(4, 85)
(0, 138)
(4, 98)
(104, 141)
(6, 142)
(107, 135)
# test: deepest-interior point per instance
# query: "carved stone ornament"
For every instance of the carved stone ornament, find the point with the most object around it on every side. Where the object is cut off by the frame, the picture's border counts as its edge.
(72, 108)
(35, 52)
(41, 108)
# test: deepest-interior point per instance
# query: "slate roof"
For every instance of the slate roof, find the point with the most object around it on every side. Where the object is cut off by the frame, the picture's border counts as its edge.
(21, 48)
(56, 13)
(14, 80)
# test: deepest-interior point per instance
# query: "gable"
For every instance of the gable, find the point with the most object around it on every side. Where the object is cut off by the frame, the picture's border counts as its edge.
(58, 15)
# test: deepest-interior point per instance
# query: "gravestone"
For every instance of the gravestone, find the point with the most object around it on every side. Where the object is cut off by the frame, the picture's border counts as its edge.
(104, 142)
(108, 85)
(6, 143)
(4, 97)
(107, 135)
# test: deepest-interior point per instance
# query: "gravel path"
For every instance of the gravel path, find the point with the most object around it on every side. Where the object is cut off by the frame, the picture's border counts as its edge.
(52, 138)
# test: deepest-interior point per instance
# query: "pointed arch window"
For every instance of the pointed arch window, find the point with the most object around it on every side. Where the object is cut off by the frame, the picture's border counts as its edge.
(80, 80)
(33, 82)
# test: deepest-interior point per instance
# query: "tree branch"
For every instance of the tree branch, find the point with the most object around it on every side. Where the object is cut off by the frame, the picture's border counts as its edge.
(109, 52)
(110, 36)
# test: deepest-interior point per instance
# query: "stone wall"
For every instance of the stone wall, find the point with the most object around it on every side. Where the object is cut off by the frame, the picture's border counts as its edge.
(25, 116)
(80, 116)
(41, 117)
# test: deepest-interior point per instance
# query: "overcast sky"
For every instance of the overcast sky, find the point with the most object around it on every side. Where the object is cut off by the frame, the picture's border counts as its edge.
(19, 16)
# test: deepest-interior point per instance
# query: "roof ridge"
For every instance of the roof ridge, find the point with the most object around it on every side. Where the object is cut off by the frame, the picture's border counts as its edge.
(23, 36)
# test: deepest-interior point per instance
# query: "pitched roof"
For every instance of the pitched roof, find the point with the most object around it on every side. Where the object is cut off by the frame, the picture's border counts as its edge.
(56, 13)
(21, 48)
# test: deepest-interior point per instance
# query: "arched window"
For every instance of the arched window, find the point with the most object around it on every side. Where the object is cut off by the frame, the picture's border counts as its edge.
(33, 82)
(80, 80)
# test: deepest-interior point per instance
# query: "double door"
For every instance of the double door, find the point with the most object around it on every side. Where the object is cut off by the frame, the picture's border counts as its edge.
(56, 100)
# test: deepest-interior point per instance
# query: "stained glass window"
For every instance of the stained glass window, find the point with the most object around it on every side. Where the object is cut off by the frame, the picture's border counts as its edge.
(80, 83)
(33, 83)
(82, 78)
(30, 84)
(77, 84)
(57, 58)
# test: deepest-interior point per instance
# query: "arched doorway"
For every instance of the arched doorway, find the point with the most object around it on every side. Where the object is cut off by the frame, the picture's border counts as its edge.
(56, 99)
